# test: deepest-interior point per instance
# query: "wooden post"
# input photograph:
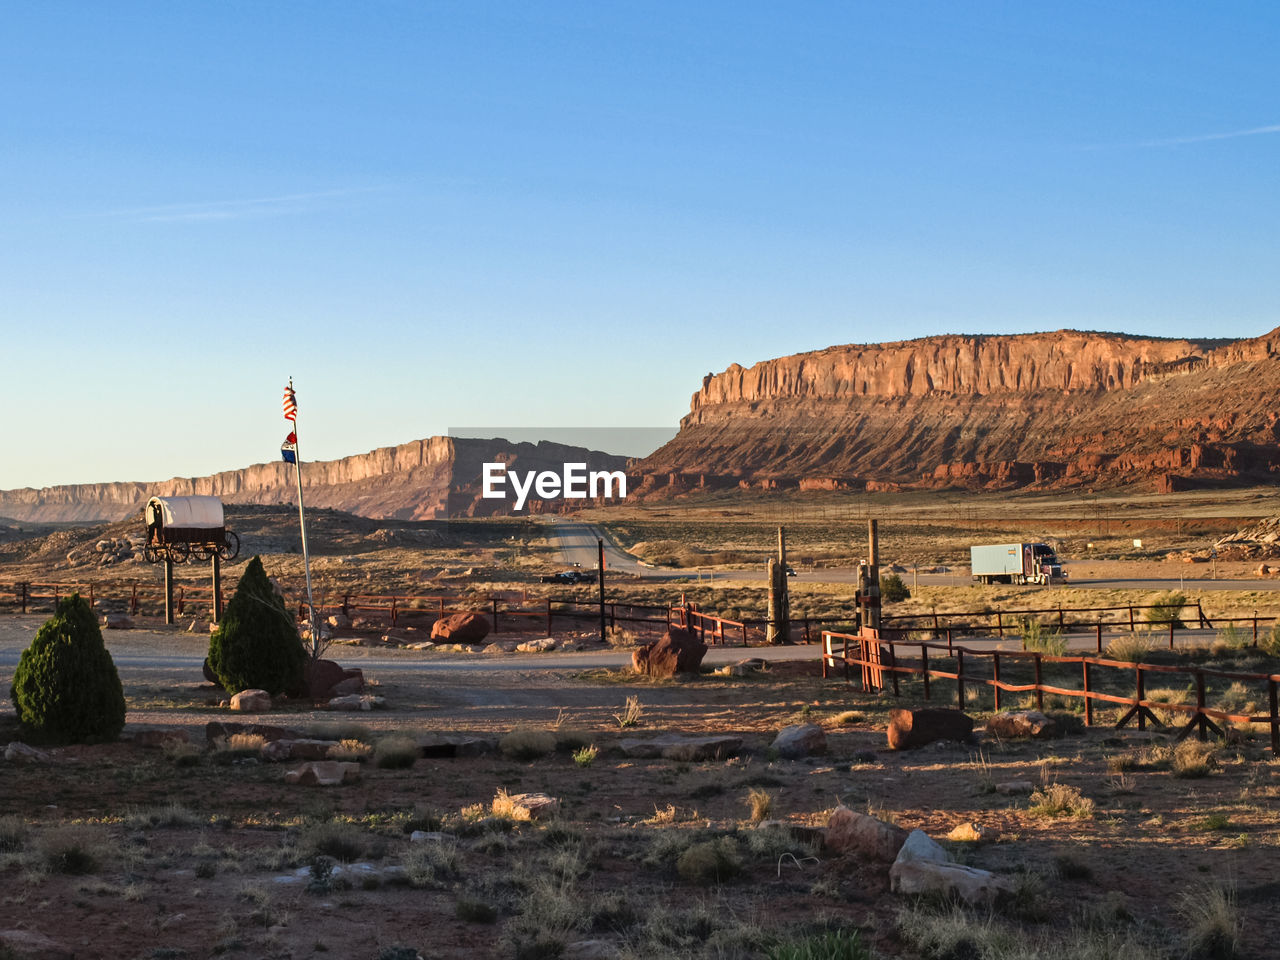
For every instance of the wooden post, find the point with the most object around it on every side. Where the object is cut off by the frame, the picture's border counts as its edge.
(1275, 716)
(1131, 626)
(960, 678)
(1039, 692)
(1142, 695)
(394, 612)
(1099, 634)
(893, 663)
(773, 629)
(873, 574)
(999, 624)
(25, 586)
(1200, 717)
(1088, 700)
(168, 589)
(133, 601)
(549, 616)
(495, 613)
(600, 563)
(1172, 621)
(216, 563)
(924, 667)
(995, 665)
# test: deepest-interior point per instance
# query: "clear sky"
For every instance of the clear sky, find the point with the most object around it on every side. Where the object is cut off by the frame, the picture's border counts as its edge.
(565, 214)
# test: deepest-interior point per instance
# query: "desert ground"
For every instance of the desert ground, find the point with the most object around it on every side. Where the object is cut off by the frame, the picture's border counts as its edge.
(175, 843)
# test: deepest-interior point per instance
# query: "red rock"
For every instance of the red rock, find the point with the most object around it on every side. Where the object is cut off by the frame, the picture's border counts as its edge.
(863, 835)
(320, 677)
(909, 729)
(461, 628)
(1022, 725)
(679, 651)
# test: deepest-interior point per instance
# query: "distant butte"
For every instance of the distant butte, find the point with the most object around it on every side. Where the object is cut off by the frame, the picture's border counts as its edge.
(1041, 410)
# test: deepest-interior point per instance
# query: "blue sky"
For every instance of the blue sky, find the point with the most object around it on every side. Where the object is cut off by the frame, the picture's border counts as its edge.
(564, 214)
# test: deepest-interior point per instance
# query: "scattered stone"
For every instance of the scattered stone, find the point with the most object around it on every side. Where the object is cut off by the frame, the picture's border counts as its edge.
(319, 677)
(565, 646)
(860, 833)
(461, 628)
(420, 645)
(217, 730)
(324, 773)
(544, 645)
(1015, 787)
(29, 945)
(348, 686)
(500, 646)
(118, 621)
(18, 751)
(279, 750)
(679, 651)
(251, 701)
(971, 833)
(355, 874)
(677, 747)
(158, 738)
(800, 740)
(909, 729)
(532, 806)
(357, 701)
(340, 621)
(1022, 725)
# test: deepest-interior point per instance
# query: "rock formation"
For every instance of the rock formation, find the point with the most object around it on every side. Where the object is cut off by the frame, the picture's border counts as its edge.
(427, 479)
(1045, 409)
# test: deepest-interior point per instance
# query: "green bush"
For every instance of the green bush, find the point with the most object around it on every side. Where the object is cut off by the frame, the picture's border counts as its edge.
(712, 861)
(893, 590)
(1164, 608)
(257, 645)
(66, 688)
(831, 946)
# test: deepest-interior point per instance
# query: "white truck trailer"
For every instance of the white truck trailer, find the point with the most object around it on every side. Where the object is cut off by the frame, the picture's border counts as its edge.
(1015, 563)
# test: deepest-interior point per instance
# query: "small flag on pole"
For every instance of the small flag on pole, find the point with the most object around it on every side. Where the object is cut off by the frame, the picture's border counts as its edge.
(290, 404)
(288, 449)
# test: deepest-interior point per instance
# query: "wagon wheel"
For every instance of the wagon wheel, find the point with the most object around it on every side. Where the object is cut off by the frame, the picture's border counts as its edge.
(151, 554)
(179, 551)
(203, 551)
(230, 548)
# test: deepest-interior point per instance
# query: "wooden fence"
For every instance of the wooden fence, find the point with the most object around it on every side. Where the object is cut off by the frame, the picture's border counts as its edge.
(881, 664)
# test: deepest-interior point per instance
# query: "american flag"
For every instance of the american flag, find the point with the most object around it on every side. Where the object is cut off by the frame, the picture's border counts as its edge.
(290, 405)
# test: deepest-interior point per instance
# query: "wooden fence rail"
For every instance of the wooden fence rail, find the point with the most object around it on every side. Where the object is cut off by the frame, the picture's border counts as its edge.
(878, 658)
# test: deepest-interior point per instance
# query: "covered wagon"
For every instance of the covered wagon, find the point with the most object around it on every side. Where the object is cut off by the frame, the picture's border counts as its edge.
(181, 527)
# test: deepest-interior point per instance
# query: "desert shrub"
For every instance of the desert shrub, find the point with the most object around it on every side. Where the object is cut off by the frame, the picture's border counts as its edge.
(1213, 922)
(586, 756)
(396, 752)
(1060, 800)
(893, 590)
(1231, 638)
(1036, 639)
(73, 850)
(847, 718)
(182, 753)
(620, 637)
(1166, 607)
(760, 803)
(66, 688)
(257, 645)
(1130, 648)
(432, 865)
(527, 744)
(349, 750)
(837, 945)
(712, 861)
(338, 839)
(1269, 642)
(473, 910)
(631, 713)
(1193, 759)
(13, 833)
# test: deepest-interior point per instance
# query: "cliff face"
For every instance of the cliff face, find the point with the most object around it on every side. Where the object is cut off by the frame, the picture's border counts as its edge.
(1047, 409)
(425, 479)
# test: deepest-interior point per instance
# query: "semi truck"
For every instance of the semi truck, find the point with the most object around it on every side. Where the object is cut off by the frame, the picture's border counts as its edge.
(1015, 563)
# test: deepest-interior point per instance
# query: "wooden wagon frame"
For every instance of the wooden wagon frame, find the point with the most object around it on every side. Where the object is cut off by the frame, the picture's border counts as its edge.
(179, 528)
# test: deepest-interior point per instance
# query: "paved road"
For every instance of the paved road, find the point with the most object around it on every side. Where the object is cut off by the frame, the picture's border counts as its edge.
(577, 541)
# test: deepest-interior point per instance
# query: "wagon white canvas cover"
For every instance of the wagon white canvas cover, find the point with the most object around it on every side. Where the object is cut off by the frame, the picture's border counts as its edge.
(186, 513)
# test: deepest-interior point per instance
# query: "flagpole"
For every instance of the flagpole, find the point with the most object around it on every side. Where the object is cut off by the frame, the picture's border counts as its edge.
(302, 523)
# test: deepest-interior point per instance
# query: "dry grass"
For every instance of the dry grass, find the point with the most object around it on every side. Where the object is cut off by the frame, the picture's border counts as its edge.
(1213, 921)
(1059, 800)
(1130, 648)
(631, 713)
(760, 803)
(528, 744)
(1193, 759)
(350, 750)
(396, 752)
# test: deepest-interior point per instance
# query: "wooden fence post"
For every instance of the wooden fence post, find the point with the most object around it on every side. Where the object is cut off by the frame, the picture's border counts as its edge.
(1275, 716)
(1039, 691)
(1131, 626)
(999, 624)
(394, 612)
(995, 666)
(960, 677)
(495, 614)
(1141, 695)
(1088, 700)
(548, 616)
(893, 663)
(924, 667)
(1099, 634)
(25, 586)
(1172, 621)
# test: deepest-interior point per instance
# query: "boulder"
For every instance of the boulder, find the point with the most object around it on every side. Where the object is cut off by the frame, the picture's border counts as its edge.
(251, 701)
(461, 628)
(500, 646)
(118, 621)
(356, 701)
(970, 832)
(920, 846)
(353, 684)
(800, 740)
(948, 881)
(544, 645)
(19, 751)
(677, 747)
(679, 651)
(209, 674)
(531, 806)
(909, 729)
(449, 745)
(324, 773)
(1022, 725)
(320, 676)
(864, 835)
(431, 836)
(339, 621)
